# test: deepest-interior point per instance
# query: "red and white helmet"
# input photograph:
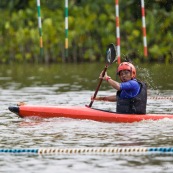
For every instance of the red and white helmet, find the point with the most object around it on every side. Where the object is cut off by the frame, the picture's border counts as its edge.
(127, 66)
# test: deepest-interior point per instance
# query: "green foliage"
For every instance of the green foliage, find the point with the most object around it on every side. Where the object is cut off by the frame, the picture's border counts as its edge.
(91, 29)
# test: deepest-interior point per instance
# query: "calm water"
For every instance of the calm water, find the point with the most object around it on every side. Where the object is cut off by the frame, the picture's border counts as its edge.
(74, 85)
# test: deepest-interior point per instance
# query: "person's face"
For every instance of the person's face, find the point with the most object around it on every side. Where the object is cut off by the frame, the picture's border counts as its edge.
(125, 75)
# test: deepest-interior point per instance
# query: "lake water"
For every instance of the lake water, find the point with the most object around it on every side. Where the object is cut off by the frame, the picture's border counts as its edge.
(74, 85)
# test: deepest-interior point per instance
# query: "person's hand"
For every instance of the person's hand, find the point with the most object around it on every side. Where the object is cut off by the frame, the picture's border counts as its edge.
(99, 98)
(103, 77)
(96, 98)
(92, 98)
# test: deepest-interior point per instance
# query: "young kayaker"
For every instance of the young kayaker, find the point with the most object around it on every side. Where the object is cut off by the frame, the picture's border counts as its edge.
(131, 94)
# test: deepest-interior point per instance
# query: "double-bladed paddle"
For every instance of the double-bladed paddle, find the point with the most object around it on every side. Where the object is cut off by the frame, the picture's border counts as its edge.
(111, 56)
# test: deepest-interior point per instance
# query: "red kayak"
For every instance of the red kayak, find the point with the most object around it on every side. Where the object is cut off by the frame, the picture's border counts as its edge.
(77, 112)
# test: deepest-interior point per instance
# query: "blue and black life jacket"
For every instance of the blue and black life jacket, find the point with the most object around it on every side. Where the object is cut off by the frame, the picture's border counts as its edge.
(136, 105)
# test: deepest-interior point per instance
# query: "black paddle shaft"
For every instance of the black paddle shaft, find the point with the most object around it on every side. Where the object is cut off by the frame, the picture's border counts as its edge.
(98, 86)
(110, 58)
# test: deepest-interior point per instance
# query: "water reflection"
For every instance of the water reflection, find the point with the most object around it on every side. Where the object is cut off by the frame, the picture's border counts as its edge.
(79, 76)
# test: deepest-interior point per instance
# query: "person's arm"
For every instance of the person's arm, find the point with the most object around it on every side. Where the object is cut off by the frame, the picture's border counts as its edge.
(113, 83)
(106, 98)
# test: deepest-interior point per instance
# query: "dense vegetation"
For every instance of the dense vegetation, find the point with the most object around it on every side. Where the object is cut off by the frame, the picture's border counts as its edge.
(91, 29)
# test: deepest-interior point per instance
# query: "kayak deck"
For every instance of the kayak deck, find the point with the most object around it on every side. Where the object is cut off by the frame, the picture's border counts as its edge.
(82, 112)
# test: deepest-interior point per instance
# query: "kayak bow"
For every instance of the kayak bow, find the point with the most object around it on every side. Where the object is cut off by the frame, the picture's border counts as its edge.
(77, 112)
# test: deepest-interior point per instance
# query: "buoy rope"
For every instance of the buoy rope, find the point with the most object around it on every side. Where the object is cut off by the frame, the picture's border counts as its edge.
(100, 150)
(160, 98)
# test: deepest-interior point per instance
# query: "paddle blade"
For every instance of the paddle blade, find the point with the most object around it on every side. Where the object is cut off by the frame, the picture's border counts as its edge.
(111, 54)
